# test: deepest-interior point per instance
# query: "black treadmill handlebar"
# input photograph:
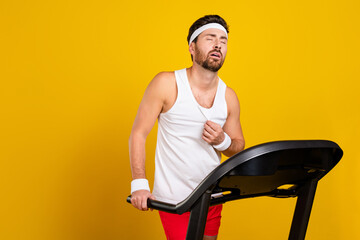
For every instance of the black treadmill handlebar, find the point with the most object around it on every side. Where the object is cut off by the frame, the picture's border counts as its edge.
(158, 205)
(174, 208)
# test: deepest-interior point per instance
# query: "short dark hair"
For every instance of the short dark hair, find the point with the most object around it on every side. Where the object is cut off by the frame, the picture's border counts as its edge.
(205, 20)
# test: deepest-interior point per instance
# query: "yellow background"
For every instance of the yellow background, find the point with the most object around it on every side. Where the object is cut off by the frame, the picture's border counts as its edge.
(72, 76)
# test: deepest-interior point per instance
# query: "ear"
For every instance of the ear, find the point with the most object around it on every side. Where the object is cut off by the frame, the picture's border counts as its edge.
(192, 48)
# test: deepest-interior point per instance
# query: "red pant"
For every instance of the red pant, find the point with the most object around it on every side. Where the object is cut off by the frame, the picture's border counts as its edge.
(176, 225)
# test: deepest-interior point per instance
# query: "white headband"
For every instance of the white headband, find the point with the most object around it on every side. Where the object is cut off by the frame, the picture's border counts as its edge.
(205, 27)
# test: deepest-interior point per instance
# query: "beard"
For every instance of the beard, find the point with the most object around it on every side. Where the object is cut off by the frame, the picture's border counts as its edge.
(207, 62)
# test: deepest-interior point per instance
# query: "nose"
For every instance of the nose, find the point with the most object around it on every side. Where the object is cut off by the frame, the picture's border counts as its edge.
(217, 44)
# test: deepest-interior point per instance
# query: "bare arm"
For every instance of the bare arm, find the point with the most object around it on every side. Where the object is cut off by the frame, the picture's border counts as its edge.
(154, 100)
(232, 126)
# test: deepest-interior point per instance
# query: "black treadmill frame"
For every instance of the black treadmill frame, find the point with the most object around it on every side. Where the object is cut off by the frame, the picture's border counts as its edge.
(300, 163)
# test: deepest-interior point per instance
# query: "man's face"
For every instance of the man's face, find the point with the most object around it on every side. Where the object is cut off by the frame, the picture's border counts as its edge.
(210, 49)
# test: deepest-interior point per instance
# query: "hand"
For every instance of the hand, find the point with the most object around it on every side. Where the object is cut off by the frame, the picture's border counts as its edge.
(139, 199)
(213, 133)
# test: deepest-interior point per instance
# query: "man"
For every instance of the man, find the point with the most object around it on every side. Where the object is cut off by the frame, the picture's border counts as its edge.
(198, 119)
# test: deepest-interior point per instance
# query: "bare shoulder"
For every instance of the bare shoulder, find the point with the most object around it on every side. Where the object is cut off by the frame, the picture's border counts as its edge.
(161, 82)
(163, 87)
(166, 78)
(230, 96)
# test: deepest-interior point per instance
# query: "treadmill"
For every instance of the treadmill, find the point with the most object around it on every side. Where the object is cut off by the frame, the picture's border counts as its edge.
(279, 169)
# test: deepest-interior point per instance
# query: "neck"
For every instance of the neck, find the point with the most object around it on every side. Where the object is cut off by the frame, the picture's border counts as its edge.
(202, 78)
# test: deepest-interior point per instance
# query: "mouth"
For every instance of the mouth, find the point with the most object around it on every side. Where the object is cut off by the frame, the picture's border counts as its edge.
(215, 55)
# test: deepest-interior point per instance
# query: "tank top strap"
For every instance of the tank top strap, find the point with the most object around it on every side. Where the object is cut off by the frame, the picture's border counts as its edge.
(181, 78)
(222, 88)
(220, 100)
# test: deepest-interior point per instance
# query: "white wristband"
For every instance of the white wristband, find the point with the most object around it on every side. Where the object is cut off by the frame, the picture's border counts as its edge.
(139, 184)
(224, 145)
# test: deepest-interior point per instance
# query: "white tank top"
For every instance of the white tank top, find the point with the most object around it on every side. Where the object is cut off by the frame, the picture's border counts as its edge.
(183, 159)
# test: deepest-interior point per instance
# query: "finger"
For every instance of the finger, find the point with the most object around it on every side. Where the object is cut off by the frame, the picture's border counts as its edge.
(136, 203)
(206, 133)
(213, 125)
(210, 134)
(209, 129)
(133, 202)
(206, 139)
(144, 205)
